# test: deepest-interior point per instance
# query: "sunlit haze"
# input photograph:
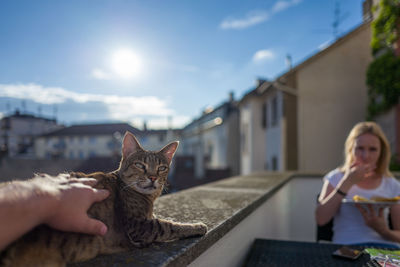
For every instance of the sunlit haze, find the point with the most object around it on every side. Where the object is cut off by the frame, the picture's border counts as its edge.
(126, 63)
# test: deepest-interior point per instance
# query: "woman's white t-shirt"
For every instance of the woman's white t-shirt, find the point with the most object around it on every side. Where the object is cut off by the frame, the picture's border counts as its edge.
(349, 226)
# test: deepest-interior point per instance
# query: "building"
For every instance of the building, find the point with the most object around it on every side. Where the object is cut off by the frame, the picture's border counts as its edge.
(213, 140)
(268, 128)
(156, 139)
(83, 141)
(331, 98)
(18, 132)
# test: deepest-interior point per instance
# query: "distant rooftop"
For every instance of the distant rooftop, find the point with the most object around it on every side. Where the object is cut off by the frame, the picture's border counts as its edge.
(18, 114)
(95, 129)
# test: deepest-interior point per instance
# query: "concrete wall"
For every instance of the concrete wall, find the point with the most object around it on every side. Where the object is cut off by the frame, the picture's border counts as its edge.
(252, 135)
(287, 215)
(332, 97)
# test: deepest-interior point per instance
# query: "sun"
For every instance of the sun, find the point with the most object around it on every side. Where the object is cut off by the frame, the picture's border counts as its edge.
(125, 63)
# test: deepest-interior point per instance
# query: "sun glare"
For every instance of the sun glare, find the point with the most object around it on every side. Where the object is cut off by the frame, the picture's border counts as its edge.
(125, 63)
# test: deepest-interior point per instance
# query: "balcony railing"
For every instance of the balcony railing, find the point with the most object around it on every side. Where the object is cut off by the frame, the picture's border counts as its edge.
(236, 210)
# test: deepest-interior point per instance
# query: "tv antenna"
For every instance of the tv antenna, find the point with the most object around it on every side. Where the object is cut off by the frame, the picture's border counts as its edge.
(337, 20)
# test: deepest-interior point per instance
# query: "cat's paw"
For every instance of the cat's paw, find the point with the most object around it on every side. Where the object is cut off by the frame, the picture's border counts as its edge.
(200, 228)
(140, 244)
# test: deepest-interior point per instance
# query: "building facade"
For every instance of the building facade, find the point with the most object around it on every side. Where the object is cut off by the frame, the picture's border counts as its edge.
(213, 140)
(268, 128)
(84, 141)
(332, 98)
(19, 130)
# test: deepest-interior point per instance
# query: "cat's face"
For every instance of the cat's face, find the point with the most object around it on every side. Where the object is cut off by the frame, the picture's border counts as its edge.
(145, 171)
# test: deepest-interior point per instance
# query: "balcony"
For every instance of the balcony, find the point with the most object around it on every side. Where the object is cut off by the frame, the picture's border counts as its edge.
(237, 210)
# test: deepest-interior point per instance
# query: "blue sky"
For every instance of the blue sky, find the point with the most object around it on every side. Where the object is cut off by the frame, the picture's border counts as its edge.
(134, 61)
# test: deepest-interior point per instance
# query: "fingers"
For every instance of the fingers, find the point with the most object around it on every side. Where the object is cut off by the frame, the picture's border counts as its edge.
(94, 227)
(380, 212)
(100, 194)
(364, 212)
(86, 181)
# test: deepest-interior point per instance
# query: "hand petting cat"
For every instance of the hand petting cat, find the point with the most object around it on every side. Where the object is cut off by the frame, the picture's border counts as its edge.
(57, 201)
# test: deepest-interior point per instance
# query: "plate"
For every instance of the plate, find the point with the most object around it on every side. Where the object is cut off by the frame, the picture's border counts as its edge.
(371, 202)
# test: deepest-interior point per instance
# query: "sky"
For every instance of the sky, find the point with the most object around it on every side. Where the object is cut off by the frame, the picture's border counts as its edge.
(160, 62)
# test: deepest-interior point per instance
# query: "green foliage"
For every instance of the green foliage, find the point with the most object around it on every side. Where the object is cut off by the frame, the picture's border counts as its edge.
(383, 80)
(383, 74)
(385, 28)
(394, 164)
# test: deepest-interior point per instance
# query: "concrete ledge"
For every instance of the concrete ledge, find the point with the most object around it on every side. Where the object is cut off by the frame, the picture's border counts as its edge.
(221, 205)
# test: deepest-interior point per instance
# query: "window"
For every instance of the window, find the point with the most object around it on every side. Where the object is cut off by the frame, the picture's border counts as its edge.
(274, 111)
(92, 140)
(274, 163)
(264, 118)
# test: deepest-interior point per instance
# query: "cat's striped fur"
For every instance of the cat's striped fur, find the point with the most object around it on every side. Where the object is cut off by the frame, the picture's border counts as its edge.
(128, 213)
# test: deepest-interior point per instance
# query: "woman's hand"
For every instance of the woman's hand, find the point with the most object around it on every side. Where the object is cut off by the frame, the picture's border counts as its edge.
(359, 171)
(374, 218)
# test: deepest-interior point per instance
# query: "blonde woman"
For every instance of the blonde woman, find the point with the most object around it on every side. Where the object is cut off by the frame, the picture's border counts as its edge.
(365, 172)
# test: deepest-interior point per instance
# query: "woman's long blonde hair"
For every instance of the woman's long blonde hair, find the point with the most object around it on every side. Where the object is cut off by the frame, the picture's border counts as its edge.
(382, 166)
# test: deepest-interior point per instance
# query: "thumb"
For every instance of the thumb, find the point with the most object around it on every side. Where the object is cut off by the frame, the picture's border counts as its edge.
(100, 194)
(94, 227)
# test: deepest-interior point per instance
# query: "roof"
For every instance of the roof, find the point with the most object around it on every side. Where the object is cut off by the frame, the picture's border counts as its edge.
(95, 129)
(338, 42)
(19, 115)
(227, 105)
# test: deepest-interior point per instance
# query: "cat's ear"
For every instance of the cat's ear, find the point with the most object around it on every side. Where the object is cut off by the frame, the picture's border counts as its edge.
(169, 150)
(129, 145)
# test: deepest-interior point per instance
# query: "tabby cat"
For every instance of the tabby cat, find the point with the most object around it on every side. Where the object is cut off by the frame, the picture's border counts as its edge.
(127, 212)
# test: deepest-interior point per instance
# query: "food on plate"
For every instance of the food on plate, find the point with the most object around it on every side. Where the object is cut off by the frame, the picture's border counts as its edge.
(358, 198)
(385, 199)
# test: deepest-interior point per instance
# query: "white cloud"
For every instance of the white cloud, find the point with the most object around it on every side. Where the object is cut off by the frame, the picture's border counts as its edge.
(282, 5)
(120, 107)
(257, 17)
(251, 19)
(263, 55)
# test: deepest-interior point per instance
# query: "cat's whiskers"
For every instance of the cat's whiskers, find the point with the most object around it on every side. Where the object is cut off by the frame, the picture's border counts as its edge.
(130, 185)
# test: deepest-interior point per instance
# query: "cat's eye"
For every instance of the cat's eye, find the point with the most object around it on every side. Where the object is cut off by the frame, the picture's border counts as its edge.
(140, 165)
(162, 168)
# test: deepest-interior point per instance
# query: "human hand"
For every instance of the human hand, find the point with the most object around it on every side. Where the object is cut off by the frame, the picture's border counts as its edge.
(359, 171)
(69, 200)
(374, 218)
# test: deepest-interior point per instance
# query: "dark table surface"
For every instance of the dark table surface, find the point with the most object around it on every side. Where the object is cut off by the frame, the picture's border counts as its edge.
(267, 252)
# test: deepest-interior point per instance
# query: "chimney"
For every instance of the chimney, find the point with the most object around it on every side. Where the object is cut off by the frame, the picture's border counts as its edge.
(289, 61)
(367, 10)
(231, 96)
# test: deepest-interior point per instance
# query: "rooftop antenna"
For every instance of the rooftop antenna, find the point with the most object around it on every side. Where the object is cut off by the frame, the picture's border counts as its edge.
(55, 109)
(169, 118)
(338, 19)
(289, 61)
(8, 107)
(23, 105)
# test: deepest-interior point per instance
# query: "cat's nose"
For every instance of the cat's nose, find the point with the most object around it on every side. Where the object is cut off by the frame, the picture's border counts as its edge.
(153, 178)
